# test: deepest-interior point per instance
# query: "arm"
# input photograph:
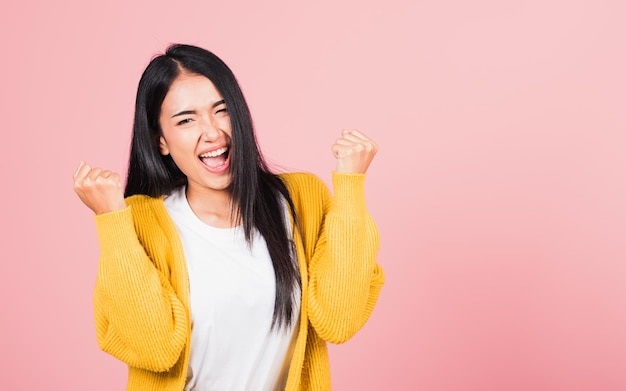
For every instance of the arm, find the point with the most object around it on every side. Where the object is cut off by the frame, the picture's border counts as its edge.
(139, 319)
(344, 278)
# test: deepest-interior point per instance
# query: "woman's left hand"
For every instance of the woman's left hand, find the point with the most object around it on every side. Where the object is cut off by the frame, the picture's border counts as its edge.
(354, 152)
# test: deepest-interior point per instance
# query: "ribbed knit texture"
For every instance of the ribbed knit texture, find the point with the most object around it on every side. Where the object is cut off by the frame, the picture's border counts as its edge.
(141, 297)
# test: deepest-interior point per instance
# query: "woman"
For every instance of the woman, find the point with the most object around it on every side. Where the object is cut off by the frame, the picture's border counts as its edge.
(216, 274)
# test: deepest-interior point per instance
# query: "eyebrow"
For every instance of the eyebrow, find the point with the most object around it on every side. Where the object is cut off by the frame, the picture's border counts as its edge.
(219, 102)
(186, 112)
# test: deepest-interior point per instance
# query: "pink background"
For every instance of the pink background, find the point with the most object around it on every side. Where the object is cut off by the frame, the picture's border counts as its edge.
(499, 188)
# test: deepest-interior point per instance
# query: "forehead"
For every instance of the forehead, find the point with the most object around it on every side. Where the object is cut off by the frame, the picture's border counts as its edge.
(190, 91)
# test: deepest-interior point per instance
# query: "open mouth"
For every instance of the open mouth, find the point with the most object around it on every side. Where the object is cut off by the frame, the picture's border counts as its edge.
(215, 159)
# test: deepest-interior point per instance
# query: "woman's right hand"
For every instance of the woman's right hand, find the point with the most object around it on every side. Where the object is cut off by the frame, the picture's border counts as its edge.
(100, 190)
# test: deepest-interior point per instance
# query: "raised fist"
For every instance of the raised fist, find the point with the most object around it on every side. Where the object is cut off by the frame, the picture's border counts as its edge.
(100, 190)
(354, 152)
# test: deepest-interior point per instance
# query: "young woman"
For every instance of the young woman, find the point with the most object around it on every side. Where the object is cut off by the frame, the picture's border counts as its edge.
(215, 273)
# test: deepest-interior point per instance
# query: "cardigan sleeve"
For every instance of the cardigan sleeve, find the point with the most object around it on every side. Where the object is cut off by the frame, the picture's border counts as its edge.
(344, 277)
(139, 318)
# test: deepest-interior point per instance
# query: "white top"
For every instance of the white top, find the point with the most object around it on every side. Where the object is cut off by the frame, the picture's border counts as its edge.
(232, 292)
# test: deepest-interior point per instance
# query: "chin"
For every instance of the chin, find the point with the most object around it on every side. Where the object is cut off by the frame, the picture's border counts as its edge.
(220, 185)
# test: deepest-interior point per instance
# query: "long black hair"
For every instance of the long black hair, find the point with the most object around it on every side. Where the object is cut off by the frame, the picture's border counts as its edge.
(256, 193)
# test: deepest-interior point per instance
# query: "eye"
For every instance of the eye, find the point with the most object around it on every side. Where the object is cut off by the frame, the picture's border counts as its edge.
(184, 121)
(222, 110)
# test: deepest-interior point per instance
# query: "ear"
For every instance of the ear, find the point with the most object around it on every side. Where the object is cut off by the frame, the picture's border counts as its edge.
(163, 146)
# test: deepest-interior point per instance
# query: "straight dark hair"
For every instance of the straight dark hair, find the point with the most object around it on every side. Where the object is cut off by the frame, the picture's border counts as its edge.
(256, 193)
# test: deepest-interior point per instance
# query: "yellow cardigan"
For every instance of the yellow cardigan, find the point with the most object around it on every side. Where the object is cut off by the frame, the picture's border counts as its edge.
(141, 298)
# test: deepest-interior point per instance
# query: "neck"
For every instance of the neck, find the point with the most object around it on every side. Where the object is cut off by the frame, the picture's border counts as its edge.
(213, 207)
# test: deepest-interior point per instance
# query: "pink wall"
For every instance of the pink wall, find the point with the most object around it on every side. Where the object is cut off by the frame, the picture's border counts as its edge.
(499, 188)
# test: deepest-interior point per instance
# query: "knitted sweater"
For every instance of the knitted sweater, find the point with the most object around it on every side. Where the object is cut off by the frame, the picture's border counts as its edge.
(141, 298)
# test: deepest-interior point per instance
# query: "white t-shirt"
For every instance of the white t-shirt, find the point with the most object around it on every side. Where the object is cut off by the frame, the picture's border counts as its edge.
(232, 292)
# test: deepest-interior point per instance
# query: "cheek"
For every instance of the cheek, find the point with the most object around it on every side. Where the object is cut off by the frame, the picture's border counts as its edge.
(180, 139)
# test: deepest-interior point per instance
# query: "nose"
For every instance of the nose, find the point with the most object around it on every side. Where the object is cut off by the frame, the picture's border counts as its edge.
(210, 130)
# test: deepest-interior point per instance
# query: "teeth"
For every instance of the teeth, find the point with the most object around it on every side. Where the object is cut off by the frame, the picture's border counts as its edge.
(215, 153)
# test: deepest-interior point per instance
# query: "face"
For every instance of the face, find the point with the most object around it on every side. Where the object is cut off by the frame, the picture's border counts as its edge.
(196, 132)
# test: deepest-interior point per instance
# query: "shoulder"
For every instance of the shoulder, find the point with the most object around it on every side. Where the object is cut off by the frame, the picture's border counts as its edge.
(309, 194)
(153, 225)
